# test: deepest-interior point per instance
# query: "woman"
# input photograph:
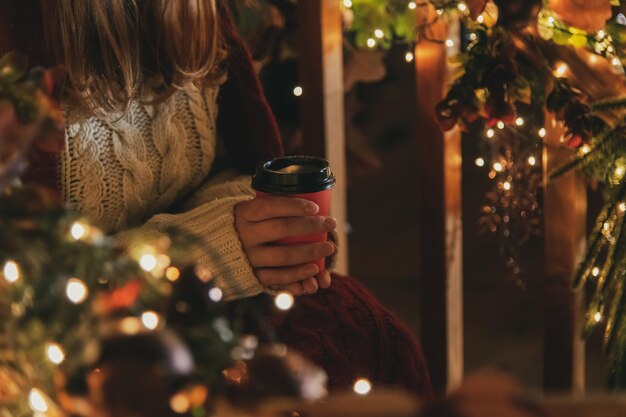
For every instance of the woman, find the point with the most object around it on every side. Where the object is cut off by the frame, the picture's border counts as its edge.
(164, 113)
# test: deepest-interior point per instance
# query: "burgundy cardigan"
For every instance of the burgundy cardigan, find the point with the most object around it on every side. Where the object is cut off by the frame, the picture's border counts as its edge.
(344, 329)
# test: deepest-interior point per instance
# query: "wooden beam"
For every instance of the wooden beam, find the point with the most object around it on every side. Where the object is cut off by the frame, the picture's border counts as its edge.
(322, 101)
(439, 164)
(565, 212)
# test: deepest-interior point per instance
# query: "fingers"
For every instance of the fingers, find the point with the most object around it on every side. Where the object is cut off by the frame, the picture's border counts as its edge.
(265, 208)
(277, 277)
(276, 229)
(310, 285)
(323, 279)
(295, 288)
(289, 255)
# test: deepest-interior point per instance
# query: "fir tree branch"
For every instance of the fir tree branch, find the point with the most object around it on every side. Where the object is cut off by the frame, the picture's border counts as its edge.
(611, 103)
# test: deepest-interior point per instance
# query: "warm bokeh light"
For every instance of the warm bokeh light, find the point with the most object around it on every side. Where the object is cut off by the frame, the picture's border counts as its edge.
(362, 386)
(76, 290)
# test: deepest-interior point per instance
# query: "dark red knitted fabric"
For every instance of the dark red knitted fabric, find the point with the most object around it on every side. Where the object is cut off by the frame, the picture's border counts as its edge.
(344, 329)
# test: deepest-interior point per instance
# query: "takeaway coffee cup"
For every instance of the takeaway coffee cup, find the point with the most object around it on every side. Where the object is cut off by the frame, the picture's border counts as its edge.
(304, 177)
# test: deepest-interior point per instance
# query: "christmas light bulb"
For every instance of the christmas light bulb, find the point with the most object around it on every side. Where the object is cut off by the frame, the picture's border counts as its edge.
(585, 149)
(408, 57)
(506, 185)
(11, 271)
(55, 353)
(150, 320)
(412, 5)
(439, 12)
(216, 294)
(78, 231)
(619, 171)
(371, 42)
(462, 7)
(284, 301)
(480, 19)
(490, 133)
(597, 317)
(532, 161)
(297, 91)
(36, 401)
(76, 290)
(519, 121)
(542, 132)
(449, 43)
(622, 207)
(595, 271)
(498, 167)
(379, 33)
(500, 124)
(148, 262)
(561, 70)
(362, 386)
(179, 403)
(601, 34)
(172, 273)
(480, 162)
(347, 3)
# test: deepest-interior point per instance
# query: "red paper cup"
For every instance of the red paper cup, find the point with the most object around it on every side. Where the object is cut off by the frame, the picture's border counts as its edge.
(303, 177)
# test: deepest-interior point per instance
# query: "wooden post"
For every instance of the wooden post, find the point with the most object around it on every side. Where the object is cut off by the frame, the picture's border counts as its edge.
(565, 214)
(441, 228)
(322, 101)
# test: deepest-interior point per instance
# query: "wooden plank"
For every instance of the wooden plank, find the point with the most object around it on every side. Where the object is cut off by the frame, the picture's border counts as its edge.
(322, 101)
(565, 211)
(441, 228)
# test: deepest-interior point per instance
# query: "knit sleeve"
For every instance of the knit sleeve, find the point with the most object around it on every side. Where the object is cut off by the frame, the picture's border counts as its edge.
(208, 218)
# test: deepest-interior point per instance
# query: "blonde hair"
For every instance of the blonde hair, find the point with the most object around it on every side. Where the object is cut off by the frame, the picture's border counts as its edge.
(114, 49)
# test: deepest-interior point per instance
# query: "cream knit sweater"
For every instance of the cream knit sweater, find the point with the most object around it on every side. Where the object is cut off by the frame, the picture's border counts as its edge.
(126, 170)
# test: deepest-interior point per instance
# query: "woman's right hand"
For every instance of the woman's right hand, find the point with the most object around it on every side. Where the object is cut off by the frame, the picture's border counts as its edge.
(262, 221)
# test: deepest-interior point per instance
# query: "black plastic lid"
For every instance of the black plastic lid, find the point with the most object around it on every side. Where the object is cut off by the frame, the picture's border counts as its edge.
(293, 175)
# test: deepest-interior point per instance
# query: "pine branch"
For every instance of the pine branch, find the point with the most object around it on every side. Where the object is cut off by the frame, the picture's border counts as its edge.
(612, 103)
(583, 160)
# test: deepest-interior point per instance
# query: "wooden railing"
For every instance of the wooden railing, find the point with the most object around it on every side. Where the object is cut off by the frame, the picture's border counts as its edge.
(439, 162)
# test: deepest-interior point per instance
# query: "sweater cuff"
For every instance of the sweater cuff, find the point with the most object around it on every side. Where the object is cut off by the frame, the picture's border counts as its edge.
(217, 248)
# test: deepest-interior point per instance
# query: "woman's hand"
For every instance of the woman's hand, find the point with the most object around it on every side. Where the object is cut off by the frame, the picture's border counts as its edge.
(262, 221)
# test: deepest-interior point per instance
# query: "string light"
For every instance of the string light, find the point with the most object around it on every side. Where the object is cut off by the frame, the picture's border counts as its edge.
(597, 317)
(150, 320)
(379, 33)
(347, 3)
(11, 272)
(622, 207)
(542, 132)
(532, 161)
(55, 353)
(284, 301)
(179, 403)
(561, 70)
(490, 133)
(36, 401)
(371, 42)
(619, 171)
(506, 185)
(595, 271)
(408, 57)
(519, 121)
(462, 7)
(216, 294)
(412, 5)
(439, 12)
(500, 124)
(449, 43)
(148, 262)
(601, 34)
(480, 19)
(172, 273)
(498, 167)
(362, 386)
(297, 91)
(78, 231)
(76, 290)
(480, 162)
(585, 149)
